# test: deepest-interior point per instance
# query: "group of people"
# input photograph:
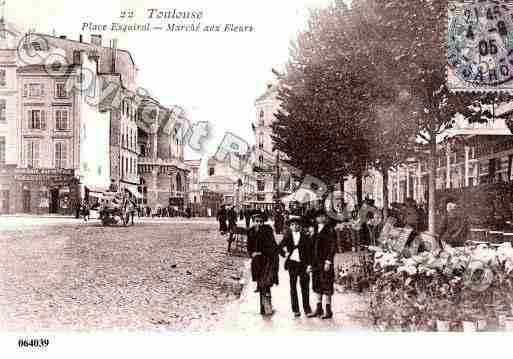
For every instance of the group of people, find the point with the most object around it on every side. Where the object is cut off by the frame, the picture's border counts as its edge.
(308, 249)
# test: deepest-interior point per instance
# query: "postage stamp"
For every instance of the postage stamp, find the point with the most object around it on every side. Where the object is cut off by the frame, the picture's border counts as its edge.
(480, 45)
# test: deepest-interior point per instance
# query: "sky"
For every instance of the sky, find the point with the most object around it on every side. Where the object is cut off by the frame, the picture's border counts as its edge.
(215, 77)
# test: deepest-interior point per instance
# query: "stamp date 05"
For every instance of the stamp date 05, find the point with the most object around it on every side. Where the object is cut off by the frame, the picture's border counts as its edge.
(33, 342)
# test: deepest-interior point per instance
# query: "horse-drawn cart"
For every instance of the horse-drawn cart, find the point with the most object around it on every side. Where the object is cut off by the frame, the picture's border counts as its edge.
(112, 208)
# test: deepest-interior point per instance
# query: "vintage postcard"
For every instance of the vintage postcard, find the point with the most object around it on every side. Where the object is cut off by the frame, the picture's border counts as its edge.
(179, 176)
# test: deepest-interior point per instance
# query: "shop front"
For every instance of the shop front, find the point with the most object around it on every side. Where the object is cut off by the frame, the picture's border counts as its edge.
(7, 189)
(43, 191)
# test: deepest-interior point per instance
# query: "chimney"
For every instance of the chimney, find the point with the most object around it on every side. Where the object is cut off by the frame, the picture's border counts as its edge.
(96, 40)
(81, 38)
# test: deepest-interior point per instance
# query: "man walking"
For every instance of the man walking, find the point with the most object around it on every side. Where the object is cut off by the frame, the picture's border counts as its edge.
(264, 253)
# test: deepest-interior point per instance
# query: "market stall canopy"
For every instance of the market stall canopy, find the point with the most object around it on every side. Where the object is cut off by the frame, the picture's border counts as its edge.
(133, 190)
(302, 195)
(97, 189)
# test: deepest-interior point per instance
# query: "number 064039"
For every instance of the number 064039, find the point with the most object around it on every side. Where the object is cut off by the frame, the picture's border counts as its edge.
(34, 343)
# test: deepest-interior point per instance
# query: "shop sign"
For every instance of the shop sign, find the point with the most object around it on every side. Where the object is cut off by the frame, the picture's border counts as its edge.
(44, 175)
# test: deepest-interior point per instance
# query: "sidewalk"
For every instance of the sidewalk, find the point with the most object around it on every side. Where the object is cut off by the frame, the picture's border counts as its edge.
(349, 310)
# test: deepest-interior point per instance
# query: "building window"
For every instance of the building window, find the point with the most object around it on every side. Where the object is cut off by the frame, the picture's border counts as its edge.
(36, 120)
(61, 120)
(34, 90)
(60, 155)
(211, 171)
(2, 150)
(3, 110)
(261, 160)
(178, 182)
(3, 78)
(260, 185)
(60, 90)
(261, 142)
(32, 154)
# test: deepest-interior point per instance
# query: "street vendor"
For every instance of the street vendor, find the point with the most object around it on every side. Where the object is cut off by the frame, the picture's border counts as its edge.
(264, 253)
(455, 227)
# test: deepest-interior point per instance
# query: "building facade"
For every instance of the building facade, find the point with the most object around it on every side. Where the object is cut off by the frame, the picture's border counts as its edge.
(273, 177)
(164, 176)
(75, 127)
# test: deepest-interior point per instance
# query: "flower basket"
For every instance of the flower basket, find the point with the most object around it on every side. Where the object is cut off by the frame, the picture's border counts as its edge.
(443, 326)
(482, 323)
(508, 325)
(469, 326)
(502, 316)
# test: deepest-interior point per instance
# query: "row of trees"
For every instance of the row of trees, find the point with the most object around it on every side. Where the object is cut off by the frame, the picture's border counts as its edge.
(366, 87)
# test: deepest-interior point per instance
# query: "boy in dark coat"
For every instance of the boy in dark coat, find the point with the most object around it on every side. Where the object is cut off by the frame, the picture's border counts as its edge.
(264, 253)
(298, 249)
(323, 271)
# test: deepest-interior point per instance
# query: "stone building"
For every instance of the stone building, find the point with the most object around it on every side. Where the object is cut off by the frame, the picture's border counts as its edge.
(266, 158)
(164, 176)
(8, 114)
(59, 143)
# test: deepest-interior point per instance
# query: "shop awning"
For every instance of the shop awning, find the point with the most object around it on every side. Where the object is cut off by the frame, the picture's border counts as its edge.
(302, 195)
(133, 190)
(136, 194)
(97, 189)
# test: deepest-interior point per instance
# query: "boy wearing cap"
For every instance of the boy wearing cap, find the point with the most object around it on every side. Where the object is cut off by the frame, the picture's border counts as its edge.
(298, 254)
(323, 272)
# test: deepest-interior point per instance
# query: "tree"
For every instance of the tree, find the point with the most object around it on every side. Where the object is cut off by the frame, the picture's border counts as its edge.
(417, 47)
(325, 101)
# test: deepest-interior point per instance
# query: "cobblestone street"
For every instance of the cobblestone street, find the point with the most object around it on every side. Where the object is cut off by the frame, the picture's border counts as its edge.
(62, 273)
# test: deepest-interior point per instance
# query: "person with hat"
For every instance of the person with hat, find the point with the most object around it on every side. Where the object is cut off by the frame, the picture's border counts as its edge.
(322, 268)
(264, 253)
(222, 216)
(297, 248)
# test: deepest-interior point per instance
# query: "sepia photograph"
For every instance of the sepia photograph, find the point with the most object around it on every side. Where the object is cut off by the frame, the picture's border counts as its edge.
(299, 175)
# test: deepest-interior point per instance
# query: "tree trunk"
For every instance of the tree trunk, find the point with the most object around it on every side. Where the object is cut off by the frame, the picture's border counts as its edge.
(432, 186)
(359, 189)
(385, 191)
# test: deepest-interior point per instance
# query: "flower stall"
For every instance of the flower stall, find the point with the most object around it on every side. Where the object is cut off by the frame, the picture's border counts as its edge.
(454, 289)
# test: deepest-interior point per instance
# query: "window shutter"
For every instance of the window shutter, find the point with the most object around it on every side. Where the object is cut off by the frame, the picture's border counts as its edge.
(43, 119)
(65, 154)
(65, 120)
(29, 119)
(25, 154)
(25, 90)
(36, 154)
(56, 155)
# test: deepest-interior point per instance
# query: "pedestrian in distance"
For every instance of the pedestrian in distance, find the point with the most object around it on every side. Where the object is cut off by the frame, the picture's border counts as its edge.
(297, 248)
(222, 217)
(232, 225)
(247, 216)
(323, 272)
(264, 253)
